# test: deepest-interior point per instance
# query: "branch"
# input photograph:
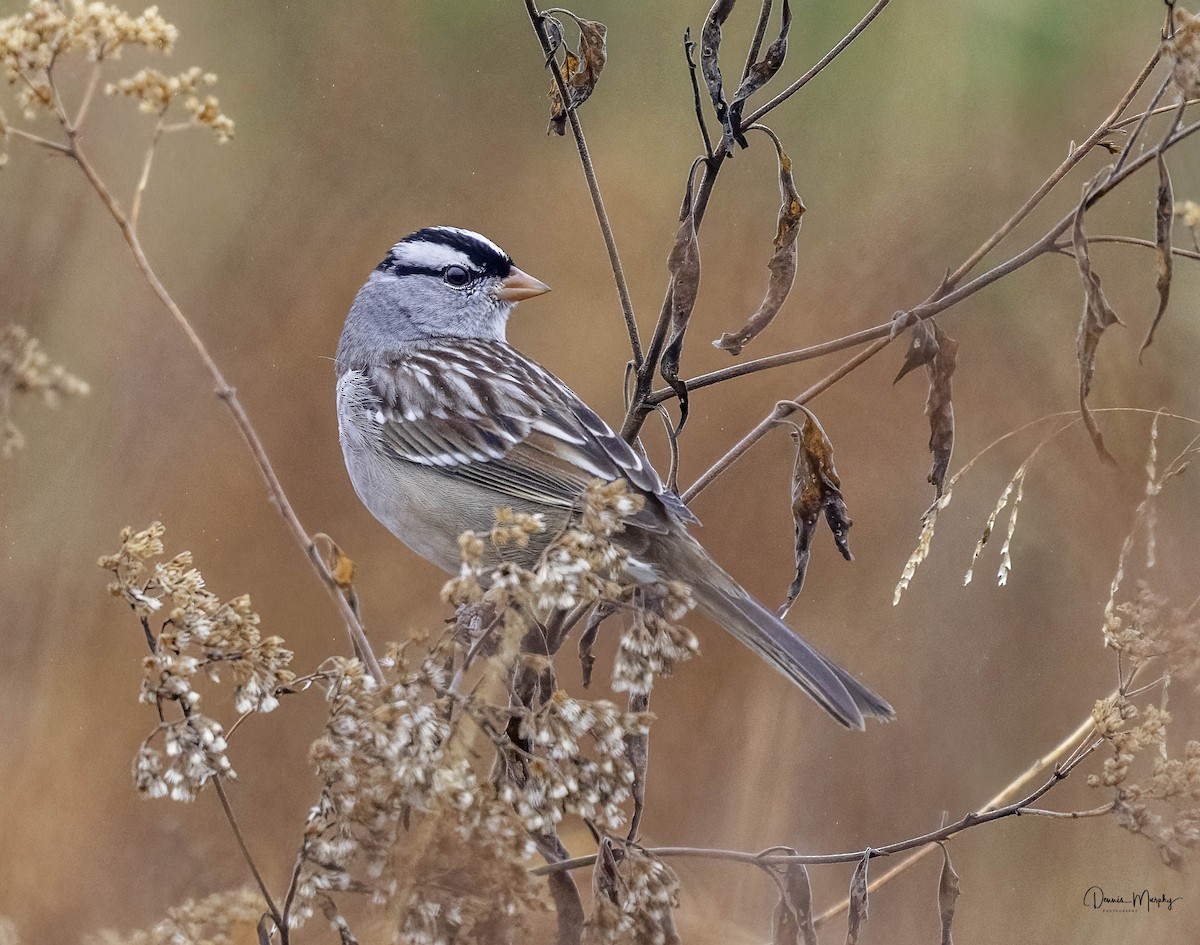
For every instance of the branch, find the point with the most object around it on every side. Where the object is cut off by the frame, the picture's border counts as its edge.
(825, 859)
(228, 395)
(280, 922)
(821, 63)
(936, 304)
(589, 173)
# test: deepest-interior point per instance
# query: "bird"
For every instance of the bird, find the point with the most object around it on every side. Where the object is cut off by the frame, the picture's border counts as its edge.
(442, 423)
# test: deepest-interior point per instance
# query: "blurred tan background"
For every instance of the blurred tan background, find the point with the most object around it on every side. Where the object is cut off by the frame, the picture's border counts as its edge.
(359, 122)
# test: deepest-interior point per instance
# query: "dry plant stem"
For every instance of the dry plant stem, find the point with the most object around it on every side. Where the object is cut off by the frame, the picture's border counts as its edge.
(1137, 132)
(860, 337)
(935, 305)
(1009, 790)
(1052, 181)
(589, 173)
(821, 63)
(228, 395)
(760, 30)
(780, 411)
(1149, 244)
(219, 785)
(933, 837)
(641, 404)
(135, 209)
(1161, 110)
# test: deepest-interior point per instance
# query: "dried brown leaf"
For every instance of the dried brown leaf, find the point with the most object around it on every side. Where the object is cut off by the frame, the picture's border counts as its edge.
(637, 752)
(922, 348)
(710, 49)
(793, 921)
(816, 489)
(606, 883)
(1098, 314)
(939, 406)
(580, 69)
(1183, 52)
(683, 263)
(339, 565)
(762, 71)
(857, 913)
(558, 114)
(782, 264)
(593, 45)
(601, 612)
(1164, 212)
(949, 889)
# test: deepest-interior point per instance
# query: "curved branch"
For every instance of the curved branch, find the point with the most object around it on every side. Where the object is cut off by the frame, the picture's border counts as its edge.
(936, 304)
(589, 173)
(778, 859)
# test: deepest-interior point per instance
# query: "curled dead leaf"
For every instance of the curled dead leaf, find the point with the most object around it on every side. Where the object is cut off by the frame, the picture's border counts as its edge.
(816, 489)
(782, 263)
(601, 612)
(939, 405)
(1182, 50)
(949, 889)
(762, 71)
(1164, 212)
(793, 921)
(580, 69)
(857, 913)
(922, 348)
(683, 264)
(710, 50)
(1098, 314)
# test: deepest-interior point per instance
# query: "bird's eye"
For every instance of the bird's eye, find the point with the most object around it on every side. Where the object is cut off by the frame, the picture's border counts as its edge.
(456, 276)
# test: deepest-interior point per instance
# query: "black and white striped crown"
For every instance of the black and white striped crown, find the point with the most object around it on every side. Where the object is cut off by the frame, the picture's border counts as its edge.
(431, 250)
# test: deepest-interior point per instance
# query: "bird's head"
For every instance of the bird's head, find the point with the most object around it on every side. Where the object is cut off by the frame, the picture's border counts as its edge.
(440, 282)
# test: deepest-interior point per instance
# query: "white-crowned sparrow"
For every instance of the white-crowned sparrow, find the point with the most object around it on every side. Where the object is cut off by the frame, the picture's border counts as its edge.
(441, 423)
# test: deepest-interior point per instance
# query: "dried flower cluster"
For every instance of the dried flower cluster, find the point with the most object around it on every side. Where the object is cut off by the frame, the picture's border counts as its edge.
(26, 369)
(402, 813)
(652, 643)
(200, 635)
(224, 918)
(1165, 808)
(155, 92)
(635, 899)
(408, 812)
(1183, 51)
(33, 41)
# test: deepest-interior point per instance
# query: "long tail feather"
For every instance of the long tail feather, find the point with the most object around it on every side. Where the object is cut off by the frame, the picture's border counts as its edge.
(725, 601)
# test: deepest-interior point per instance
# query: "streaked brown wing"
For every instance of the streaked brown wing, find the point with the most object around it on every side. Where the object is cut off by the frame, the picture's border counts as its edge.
(483, 412)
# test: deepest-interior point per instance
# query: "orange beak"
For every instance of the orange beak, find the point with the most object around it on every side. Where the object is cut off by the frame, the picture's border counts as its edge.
(518, 286)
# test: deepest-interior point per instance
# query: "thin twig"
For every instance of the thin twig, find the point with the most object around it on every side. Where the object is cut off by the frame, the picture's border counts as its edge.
(853, 339)
(760, 30)
(774, 859)
(241, 841)
(1161, 110)
(821, 63)
(228, 395)
(589, 173)
(136, 208)
(1009, 790)
(1077, 155)
(936, 304)
(1149, 244)
(38, 140)
(1133, 138)
(90, 91)
(688, 48)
